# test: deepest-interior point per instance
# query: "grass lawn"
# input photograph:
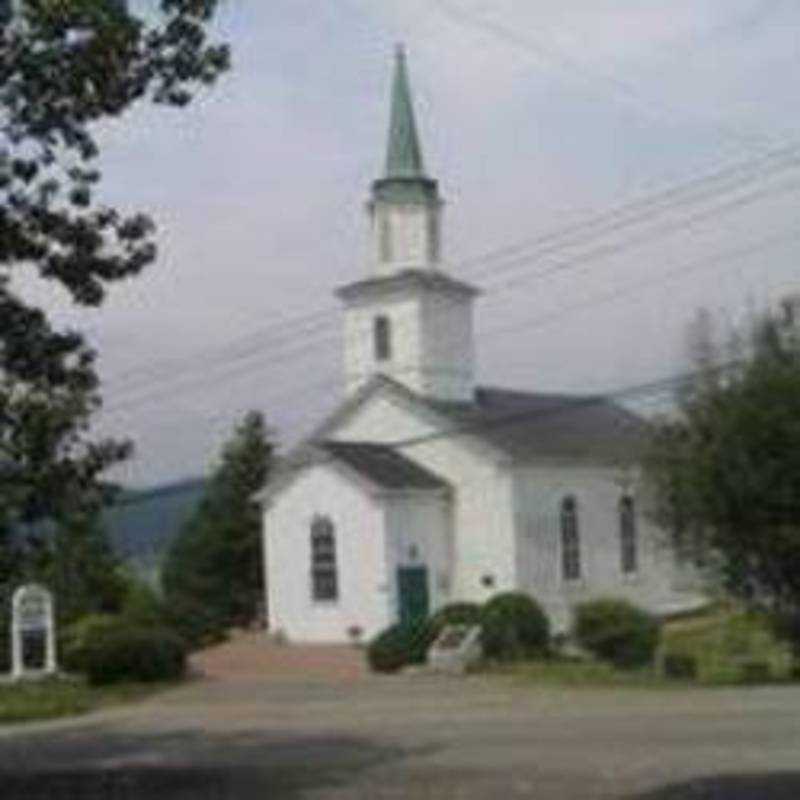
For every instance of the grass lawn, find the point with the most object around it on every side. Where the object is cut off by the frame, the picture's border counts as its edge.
(53, 698)
(575, 674)
(724, 641)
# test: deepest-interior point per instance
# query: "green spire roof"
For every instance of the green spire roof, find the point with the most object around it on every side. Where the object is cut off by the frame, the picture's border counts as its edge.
(405, 180)
(404, 155)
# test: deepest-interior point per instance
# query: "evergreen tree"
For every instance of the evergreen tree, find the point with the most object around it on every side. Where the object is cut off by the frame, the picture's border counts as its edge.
(212, 576)
(729, 467)
(78, 564)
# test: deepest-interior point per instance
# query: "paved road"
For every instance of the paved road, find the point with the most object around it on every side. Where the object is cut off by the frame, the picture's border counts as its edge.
(295, 733)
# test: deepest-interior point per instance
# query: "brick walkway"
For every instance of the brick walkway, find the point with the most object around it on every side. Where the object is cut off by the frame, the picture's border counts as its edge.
(252, 656)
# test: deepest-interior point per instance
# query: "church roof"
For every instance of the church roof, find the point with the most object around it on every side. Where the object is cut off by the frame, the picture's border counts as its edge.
(429, 279)
(524, 426)
(528, 424)
(383, 466)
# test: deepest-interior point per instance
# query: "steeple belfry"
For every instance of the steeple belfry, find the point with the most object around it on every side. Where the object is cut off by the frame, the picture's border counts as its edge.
(405, 207)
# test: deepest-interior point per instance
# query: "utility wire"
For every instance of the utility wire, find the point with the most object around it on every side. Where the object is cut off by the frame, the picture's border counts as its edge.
(725, 257)
(612, 220)
(233, 367)
(547, 52)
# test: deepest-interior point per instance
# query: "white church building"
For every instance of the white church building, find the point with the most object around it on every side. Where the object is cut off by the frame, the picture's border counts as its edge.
(423, 488)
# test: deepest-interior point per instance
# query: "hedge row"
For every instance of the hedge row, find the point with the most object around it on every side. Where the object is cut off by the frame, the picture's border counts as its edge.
(514, 627)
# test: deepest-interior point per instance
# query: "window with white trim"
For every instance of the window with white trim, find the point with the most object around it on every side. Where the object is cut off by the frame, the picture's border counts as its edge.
(324, 578)
(628, 537)
(570, 540)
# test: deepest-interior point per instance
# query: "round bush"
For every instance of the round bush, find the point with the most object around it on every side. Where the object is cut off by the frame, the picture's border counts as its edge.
(513, 627)
(399, 646)
(455, 614)
(616, 631)
(133, 653)
(76, 638)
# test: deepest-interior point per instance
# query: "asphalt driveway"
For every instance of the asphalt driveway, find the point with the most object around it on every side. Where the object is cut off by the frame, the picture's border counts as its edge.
(315, 725)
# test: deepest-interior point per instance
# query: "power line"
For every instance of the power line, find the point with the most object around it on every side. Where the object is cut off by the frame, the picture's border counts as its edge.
(232, 368)
(724, 257)
(612, 220)
(704, 187)
(647, 236)
(549, 53)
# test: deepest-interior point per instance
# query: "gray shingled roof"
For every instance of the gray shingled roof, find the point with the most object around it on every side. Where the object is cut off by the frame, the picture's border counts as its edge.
(383, 466)
(523, 425)
(526, 424)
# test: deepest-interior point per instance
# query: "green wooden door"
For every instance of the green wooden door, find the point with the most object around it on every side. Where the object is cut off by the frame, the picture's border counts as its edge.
(412, 592)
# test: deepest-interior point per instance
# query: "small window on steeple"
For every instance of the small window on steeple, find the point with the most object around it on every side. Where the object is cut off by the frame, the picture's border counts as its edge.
(383, 338)
(385, 238)
(433, 236)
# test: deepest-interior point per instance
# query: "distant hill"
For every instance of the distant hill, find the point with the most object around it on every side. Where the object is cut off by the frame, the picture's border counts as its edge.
(142, 523)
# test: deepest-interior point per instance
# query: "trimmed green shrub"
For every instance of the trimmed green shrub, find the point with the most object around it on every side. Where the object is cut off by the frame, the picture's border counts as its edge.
(76, 639)
(455, 614)
(131, 653)
(618, 632)
(110, 649)
(514, 627)
(400, 645)
(680, 667)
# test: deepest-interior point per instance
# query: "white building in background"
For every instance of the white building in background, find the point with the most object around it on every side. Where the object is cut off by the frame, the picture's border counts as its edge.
(423, 488)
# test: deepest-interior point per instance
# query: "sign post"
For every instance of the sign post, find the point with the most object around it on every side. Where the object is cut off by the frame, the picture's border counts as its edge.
(32, 614)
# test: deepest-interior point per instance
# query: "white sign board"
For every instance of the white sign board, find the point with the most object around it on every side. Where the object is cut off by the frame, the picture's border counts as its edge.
(33, 609)
(32, 612)
(456, 648)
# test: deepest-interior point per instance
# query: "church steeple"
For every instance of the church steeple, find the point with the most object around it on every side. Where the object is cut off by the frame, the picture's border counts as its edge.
(408, 320)
(403, 154)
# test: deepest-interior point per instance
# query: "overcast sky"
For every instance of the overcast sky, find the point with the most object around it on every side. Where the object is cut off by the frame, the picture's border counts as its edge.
(534, 114)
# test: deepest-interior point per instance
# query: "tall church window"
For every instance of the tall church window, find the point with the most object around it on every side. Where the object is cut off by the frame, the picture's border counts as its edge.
(324, 577)
(385, 238)
(383, 338)
(570, 540)
(629, 545)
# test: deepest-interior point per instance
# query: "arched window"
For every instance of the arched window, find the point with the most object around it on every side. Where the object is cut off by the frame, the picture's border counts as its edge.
(383, 338)
(570, 540)
(629, 546)
(324, 581)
